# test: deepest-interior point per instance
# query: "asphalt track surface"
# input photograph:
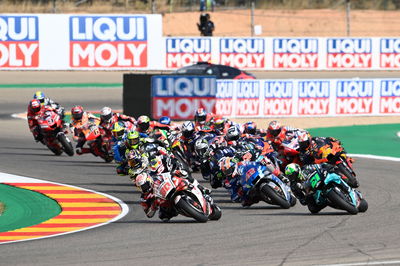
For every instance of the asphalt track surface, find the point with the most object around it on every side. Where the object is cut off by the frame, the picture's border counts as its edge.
(260, 235)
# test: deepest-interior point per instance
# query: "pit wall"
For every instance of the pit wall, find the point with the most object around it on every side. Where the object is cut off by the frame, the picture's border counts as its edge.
(135, 42)
(180, 96)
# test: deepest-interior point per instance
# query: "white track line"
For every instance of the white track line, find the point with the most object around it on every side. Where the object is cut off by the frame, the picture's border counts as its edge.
(376, 157)
(396, 262)
(8, 178)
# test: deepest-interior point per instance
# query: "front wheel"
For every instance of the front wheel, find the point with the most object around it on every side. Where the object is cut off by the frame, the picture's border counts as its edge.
(277, 199)
(66, 143)
(187, 206)
(216, 213)
(340, 202)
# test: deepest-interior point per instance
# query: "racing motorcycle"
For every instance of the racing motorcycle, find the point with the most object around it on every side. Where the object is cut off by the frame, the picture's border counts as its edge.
(94, 139)
(185, 197)
(334, 192)
(258, 182)
(54, 132)
(333, 153)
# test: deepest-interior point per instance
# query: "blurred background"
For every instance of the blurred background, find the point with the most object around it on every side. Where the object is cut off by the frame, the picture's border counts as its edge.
(235, 17)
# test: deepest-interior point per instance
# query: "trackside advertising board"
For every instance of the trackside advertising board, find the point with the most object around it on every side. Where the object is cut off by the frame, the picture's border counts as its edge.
(80, 42)
(135, 42)
(180, 96)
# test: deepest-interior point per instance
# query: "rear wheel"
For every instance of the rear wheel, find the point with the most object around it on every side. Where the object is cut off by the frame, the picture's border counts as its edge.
(339, 200)
(277, 199)
(350, 178)
(187, 206)
(66, 143)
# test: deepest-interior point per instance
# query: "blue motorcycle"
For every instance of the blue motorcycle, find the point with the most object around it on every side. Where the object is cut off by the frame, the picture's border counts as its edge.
(334, 192)
(258, 182)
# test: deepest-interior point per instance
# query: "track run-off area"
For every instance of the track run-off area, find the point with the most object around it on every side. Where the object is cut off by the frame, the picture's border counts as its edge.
(260, 235)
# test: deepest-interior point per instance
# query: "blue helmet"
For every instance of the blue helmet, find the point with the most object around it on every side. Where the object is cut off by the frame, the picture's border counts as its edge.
(39, 95)
(166, 120)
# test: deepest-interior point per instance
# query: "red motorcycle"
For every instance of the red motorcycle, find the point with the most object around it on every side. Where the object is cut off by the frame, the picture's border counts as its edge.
(94, 139)
(185, 197)
(54, 133)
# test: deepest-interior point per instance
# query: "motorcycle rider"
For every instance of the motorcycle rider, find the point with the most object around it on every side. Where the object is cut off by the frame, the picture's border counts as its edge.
(108, 118)
(202, 118)
(276, 134)
(34, 111)
(79, 121)
(46, 101)
(300, 182)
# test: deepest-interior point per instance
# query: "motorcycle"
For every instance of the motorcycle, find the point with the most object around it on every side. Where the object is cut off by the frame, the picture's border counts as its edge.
(258, 182)
(54, 132)
(334, 154)
(94, 139)
(185, 197)
(334, 192)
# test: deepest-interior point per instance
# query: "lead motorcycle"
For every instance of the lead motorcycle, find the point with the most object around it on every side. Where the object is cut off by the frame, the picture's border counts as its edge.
(185, 197)
(258, 182)
(54, 132)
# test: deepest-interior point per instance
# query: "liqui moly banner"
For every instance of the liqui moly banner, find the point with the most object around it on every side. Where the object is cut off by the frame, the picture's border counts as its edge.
(180, 96)
(313, 97)
(349, 53)
(295, 53)
(278, 98)
(182, 52)
(108, 41)
(247, 53)
(389, 97)
(19, 42)
(390, 53)
(354, 96)
(226, 92)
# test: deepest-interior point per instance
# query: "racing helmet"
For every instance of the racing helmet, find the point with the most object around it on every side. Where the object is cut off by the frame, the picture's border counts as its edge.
(106, 114)
(233, 133)
(143, 122)
(35, 105)
(165, 120)
(304, 139)
(39, 95)
(200, 116)
(187, 129)
(118, 130)
(77, 112)
(200, 147)
(156, 164)
(227, 166)
(132, 139)
(274, 128)
(144, 182)
(219, 123)
(294, 173)
(250, 128)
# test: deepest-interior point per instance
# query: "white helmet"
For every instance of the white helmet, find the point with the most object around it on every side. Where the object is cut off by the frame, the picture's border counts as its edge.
(187, 129)
(106, 114)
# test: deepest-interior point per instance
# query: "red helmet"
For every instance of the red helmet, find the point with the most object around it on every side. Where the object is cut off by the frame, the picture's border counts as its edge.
(77, 112)
(34, 105)
(274, 128)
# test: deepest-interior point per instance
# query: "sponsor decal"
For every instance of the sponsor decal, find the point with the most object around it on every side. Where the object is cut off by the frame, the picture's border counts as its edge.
(108, 41)
(390, 97)
(347, 53)
(297, 53)
(224, 103)
(187, 51)
(278, 98)
(390, 53)
(242, 52)
(19, 41)
(248, 98)
(180, 96)
(313, 97)
(354, 96)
